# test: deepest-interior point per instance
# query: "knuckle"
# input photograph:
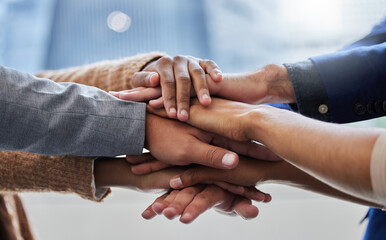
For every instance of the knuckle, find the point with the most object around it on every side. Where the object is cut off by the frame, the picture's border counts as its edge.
(170, 98)
(212, 155)
(203, 197)
(189, 177)
(184, 98)
(169, 81)
(197, 71)
(189, 191)
(165, 60)
(178, 58)
(183, 79)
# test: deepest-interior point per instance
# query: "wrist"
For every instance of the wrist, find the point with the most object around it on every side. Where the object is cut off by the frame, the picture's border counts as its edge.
(278, 84)
(113, 172)
(259, 124)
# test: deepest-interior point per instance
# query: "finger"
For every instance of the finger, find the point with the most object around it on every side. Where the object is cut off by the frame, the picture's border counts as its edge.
(149, 212)
(212, 69)
(163, 203)
(183, 83)
(159, 112)
(212, 156)
(195, 175)
(149, 167)
(157, 103)
(199, 82)
(141, 95)
(114, 93)
(203, 201)
(248, 148)
(145, 79)
(135, 159)
(244, 208)
(236, 189)
(168, 85)
(254, 194)
(181, 201)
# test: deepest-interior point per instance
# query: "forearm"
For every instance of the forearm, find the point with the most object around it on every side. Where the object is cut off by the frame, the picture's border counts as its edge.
(337, 155)
(287, 174)
(70, 118)
(266, 85)
(109, 75)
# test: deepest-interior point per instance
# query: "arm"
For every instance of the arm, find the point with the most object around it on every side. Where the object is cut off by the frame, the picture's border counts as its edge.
(337, 155)
(72, 118)
(251, 172)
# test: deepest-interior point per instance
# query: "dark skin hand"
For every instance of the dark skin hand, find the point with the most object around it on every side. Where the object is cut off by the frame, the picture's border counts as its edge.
(178, 78)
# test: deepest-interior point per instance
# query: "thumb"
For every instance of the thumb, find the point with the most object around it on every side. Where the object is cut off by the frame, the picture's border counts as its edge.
(145, 79)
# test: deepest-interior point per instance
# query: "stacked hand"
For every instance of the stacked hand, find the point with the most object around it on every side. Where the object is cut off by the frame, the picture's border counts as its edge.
(167, 85)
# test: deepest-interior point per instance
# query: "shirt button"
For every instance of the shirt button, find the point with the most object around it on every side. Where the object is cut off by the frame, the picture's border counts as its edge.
(323, 109)
(378, 106)
(370, 108)
(359, 109)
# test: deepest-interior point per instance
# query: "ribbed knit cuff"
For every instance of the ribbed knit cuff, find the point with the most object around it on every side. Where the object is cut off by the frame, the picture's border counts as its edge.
(21, 172)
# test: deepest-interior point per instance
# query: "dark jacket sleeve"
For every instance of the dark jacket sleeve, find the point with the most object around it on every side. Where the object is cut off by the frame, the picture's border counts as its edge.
(345, 86)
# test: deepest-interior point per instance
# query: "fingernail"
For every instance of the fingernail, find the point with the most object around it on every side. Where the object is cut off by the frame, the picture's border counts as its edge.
(205, 96)
(152, 79)
(184, 115)
(218, 73)
(176, 183)
(147, 214)
(172, 110)
(186, 215)
(228, 160)
(169, 212)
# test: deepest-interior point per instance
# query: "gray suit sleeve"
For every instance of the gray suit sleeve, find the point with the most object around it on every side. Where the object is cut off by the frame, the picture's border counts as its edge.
(49, 118)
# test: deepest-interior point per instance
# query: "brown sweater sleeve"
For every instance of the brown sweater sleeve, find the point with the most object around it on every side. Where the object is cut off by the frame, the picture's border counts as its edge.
(33, 172)
(113, 75)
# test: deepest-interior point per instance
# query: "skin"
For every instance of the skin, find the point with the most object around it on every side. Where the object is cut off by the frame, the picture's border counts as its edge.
(192, 203)
(178, 77)
(324, 150)
(251, 172)
(268, 84)
(193, 144)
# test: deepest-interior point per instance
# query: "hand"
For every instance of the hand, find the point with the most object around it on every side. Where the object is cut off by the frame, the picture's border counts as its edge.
(193, 201)
(223, 117)
(248, 172)
(266, 85)
(175, 77)
(176, 143)
(148, 164)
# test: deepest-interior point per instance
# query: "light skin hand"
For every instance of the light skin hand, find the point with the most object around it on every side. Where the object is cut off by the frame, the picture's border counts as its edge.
(251, 149)
(190, 202)
(223, 117)
(176, 143)
(176, 76)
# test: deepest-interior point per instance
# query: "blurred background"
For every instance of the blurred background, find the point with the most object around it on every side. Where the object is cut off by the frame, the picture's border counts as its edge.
(239, 35)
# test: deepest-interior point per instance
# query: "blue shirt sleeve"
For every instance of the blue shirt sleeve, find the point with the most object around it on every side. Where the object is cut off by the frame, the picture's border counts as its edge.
(355, 82)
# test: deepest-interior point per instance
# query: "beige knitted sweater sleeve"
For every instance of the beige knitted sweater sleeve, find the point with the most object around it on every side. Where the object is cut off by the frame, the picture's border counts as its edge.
(33, 172)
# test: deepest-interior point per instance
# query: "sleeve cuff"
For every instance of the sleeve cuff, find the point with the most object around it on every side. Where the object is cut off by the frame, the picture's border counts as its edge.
(26, 172)
(311, 96)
